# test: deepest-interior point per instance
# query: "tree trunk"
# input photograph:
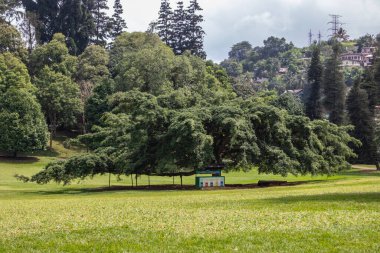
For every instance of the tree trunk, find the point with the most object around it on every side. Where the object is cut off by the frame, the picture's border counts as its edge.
(136, 180)
(378, 166)
(14, 154)
(109, 180)
(181, 181)
(132, 180)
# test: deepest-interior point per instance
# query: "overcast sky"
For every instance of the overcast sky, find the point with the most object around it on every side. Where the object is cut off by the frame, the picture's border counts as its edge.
(230, 21)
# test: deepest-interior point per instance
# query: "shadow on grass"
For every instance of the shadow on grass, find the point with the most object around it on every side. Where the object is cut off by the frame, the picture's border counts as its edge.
(157, 188)
(21, 159)
(362, 197)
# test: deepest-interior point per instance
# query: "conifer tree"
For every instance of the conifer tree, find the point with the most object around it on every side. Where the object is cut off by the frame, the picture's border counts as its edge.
(102, 22)
(314, 102)
(372, 88)
(164, 23)
(180, 33)
(118, 23)
(195, 30)
(334, 88)
(70, 17)
(363, 120)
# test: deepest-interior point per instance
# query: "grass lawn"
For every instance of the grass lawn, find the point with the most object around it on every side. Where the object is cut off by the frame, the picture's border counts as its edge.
(326, 214)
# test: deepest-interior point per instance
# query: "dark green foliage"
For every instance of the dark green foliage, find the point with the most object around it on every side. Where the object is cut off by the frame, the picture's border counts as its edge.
(372, 88)
(195, 30)
(54, 55)
(174, 114)
(118, 23)
(103, 24)
(71, 17)
(274, 46)
(334, 88)
(240, 51)
(179, 30)
(59, 98)
(22, 125)
(77, 167)
(97, 104)
(289, 102)
(314, 108)
(362, 118)
(165, 23)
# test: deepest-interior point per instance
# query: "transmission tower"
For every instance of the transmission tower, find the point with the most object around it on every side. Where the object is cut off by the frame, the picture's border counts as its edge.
(319, 37)
(335, 24)
(310, 38)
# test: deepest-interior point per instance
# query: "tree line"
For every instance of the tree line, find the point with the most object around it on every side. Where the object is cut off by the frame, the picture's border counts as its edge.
(142, 108)
(329, 98)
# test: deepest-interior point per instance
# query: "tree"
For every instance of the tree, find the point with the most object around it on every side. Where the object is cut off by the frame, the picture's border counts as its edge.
(367, 40)
(165, 24)
(55, 55)
(92, 69)
(13, 74)
(103, 24)
(314, 108)
(180, 33)
(274, 46)
(141, 137)
(240, 51)
(195, 30)
(11, 41)
(70, 17)
(59, 98)
(22, 125)
(362, 118)
(334, 88)
(118, 23)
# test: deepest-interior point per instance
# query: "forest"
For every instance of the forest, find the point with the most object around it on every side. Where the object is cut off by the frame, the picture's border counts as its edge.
(151, 103)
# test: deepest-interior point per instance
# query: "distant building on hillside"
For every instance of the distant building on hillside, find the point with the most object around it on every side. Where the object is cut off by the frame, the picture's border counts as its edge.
(362, 59)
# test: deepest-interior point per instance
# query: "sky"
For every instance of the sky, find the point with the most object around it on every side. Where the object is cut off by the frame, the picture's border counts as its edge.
(228, 22)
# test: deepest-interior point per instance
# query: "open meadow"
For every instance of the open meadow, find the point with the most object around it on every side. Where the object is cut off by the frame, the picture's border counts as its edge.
(322, 214)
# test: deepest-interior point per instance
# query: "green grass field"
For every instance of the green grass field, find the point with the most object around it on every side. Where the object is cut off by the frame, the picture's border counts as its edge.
(324, 214)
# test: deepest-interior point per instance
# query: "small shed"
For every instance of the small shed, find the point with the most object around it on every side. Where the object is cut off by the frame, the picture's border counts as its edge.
(215, 180)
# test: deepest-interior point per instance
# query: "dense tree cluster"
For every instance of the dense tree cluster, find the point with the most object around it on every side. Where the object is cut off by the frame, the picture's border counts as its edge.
(81, 22)
(169, 115)
(150, 104)
(181, 29)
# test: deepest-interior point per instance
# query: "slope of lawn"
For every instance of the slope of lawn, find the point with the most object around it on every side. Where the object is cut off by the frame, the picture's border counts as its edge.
(325, 214)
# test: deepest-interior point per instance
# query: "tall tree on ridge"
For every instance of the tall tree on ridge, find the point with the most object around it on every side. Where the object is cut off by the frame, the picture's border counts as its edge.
(334, 87)
(314, 101)
(102, 22)
(118, 23)
(195, 30)
(180, 33)
(165, 24)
